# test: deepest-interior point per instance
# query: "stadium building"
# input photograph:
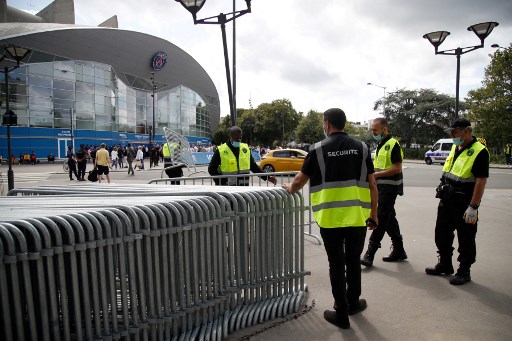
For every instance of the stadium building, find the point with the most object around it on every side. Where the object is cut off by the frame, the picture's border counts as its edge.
(89, 85)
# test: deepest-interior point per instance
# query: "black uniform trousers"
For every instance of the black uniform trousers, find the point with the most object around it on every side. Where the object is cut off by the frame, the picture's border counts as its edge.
(343, 246)
(450, 218)
(173, 172)
(72, 170)
(82, 165)
(387, 221)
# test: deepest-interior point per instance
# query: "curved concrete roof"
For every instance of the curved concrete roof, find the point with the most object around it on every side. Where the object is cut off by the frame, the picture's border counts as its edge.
(128, 52)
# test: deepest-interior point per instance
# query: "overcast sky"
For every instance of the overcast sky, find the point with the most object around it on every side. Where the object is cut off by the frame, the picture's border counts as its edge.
(319, 54)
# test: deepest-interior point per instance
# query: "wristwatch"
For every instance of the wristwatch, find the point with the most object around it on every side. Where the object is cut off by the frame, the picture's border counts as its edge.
(474, 206)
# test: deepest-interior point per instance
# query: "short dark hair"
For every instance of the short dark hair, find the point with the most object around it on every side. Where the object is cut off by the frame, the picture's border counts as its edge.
(235, 131)
(382, 121)
(336, 117)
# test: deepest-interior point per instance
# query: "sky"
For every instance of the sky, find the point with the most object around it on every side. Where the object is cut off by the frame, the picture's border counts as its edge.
(319, 54)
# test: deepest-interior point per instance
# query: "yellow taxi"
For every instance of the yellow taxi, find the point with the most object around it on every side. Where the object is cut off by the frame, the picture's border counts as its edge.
(283, 160)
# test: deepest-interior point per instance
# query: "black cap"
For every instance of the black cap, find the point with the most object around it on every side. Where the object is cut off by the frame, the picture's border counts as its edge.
(460, 123)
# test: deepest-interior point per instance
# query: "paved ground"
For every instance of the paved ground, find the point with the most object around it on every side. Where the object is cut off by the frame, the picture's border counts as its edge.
(404, 302)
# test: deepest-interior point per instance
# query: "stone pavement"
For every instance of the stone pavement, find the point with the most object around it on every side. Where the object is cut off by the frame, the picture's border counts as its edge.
(403, 302)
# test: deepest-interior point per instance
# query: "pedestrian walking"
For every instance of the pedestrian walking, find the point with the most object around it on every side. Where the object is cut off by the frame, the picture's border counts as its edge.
(102, 163)
(71, 159)
(130, 155)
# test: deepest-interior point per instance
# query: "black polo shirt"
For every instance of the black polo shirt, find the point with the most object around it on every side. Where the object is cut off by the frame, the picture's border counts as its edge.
(343, 156)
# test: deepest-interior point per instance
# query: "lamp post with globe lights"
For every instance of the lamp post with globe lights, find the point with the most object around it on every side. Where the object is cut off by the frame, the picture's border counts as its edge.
(482, 31)
(193, 6)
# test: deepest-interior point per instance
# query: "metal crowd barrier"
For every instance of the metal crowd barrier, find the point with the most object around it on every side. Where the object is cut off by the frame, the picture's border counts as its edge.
(148, 262)
(254, 180)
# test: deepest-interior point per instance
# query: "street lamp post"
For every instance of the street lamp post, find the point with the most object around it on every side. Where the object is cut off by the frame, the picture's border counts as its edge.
(9, 118)
(153, 88)
(482, 30)
(71, 125)
(384, 98)
(193, 6)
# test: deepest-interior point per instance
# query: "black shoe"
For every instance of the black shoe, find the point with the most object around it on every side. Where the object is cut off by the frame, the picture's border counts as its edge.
(71, 179)
(461, 277)
(440, 269)
(332, 317)
(395, 256)
(367, 259)
(357, 307)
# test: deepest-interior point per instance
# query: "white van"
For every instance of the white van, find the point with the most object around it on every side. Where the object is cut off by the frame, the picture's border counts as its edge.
(439, 152)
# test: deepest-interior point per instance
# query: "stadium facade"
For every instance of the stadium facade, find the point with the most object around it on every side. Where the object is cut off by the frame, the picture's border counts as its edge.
(88, 85)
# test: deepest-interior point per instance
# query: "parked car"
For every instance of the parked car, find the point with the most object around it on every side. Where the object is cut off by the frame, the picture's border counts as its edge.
(283, 160)
(439, 152)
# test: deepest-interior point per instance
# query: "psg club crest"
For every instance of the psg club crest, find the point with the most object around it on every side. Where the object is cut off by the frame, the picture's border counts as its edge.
(159, 60)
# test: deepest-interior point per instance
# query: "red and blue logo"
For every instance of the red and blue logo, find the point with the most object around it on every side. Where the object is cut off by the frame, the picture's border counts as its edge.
(159, 60)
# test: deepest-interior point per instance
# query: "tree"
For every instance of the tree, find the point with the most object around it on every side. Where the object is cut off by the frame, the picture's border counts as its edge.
(270, 124)
(490, 106)
(310, 129)
(275, 123)
(418, 115)
(222, 133)
(360, 133)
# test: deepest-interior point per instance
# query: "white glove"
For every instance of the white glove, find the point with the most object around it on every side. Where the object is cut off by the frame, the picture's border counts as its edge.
(471, 215)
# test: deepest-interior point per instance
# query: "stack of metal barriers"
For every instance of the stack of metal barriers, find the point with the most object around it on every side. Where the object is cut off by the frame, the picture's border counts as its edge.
(148, 262)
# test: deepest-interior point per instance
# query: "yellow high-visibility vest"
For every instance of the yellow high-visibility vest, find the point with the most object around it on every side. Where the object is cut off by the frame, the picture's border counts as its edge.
(228, 161)
(382, 161)
(460, 170)
(341, 203)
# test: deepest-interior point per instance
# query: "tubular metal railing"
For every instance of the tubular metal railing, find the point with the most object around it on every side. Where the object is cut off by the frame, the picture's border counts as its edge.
(148, 262)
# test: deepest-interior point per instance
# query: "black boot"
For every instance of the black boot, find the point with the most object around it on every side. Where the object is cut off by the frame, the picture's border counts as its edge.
(367, 259)
(337, 319)
(462, 276)
(443, 266)
(397, 254)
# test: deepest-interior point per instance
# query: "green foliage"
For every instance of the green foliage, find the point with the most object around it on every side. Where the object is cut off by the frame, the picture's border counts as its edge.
(360, 133)
(310, 128)
(490, 106)
(273, 123)
(222, 133)
(418, 115)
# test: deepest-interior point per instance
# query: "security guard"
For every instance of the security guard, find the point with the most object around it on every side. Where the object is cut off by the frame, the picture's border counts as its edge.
(343, 198)
(508, 155)
(172, 152)
(388, 173)
(234, 157)
(462, 186)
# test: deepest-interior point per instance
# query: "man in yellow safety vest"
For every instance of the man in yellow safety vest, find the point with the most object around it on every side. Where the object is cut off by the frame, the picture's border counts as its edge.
(344, 201)
(462, 186)
(232, 158)
(388, 173)
(172, 152)
(508, 155)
